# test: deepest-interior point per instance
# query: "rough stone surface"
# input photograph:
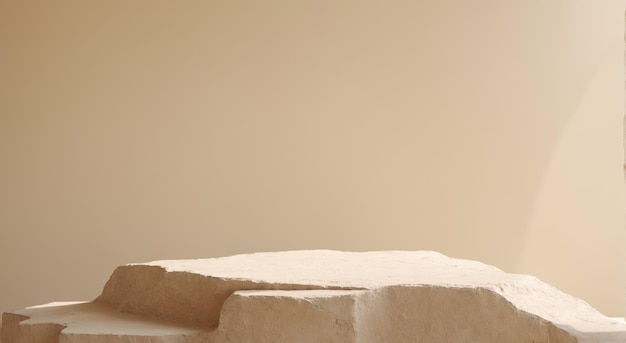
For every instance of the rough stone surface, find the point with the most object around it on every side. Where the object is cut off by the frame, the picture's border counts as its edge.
(92, 322)
(317, 296)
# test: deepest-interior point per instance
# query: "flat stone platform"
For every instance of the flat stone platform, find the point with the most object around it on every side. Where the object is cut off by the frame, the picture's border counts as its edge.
(318, 296)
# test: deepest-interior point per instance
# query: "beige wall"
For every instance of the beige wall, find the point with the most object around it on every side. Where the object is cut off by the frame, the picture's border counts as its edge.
(141, 130)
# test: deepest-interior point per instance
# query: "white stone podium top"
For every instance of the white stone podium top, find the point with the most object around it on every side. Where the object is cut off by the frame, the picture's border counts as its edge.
(319, 296)
(329, 268)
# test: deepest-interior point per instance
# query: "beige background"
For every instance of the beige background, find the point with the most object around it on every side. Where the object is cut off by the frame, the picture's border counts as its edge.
(140, 130)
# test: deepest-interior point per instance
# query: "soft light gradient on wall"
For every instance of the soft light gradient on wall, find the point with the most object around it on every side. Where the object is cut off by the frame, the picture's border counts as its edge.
(140, 130)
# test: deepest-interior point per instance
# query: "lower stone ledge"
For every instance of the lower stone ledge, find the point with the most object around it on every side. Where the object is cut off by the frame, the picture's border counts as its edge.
(65, 322)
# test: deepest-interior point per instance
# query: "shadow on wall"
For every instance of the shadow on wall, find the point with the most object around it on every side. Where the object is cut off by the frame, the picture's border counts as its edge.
(577, 220)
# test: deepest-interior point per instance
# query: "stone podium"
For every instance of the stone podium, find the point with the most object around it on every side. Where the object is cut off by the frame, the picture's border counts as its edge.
(317, 296)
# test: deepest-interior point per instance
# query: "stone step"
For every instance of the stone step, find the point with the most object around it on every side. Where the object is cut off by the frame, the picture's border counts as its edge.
(92, 322)
(288, 316)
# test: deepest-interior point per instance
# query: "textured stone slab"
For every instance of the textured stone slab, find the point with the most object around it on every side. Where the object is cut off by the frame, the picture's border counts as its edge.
(318, 296)
(92, 322)
(194, 290)
(268, 316)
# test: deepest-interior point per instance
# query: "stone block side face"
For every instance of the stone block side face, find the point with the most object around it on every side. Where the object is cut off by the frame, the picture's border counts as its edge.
(128, 283)
(424, 314)
(288, 316)
(10, 327)
(179, 297)
(16, 330)
(448, 315)
(111, 338)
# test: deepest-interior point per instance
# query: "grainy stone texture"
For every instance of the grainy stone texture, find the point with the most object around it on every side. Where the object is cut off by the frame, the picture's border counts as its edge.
(317, 296)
